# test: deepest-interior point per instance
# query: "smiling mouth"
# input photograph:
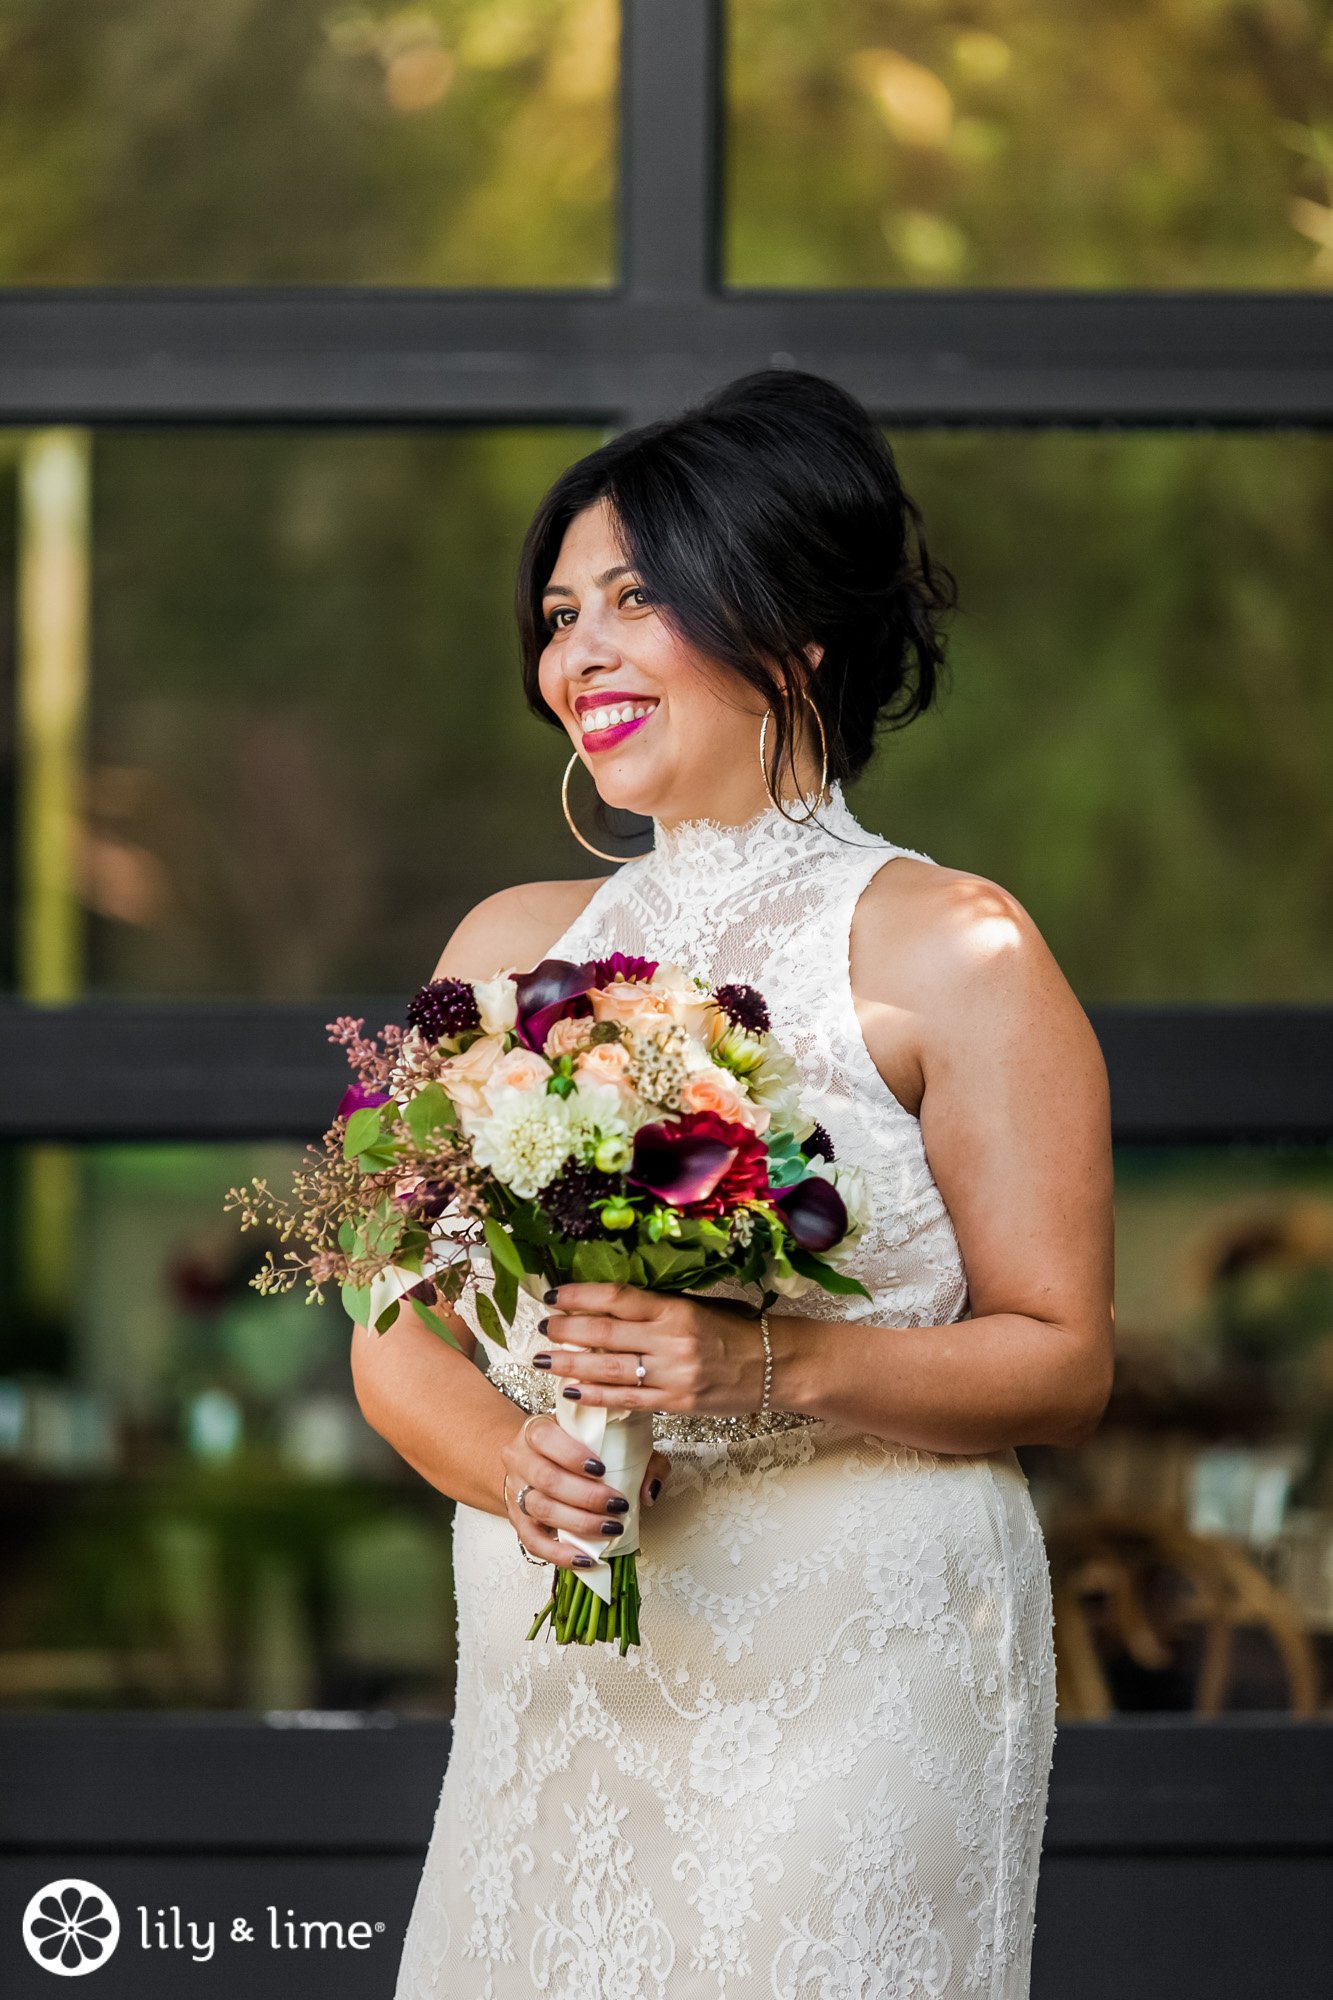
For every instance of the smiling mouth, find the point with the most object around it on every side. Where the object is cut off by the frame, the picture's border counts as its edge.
(607, 720)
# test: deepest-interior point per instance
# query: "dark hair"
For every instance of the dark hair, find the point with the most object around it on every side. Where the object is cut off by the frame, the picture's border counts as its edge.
(767, 516)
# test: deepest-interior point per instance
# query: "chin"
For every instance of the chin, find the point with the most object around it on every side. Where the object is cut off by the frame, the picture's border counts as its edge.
(625, 788)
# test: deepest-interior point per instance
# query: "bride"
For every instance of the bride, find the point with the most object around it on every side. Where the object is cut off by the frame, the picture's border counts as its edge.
(824, 1771)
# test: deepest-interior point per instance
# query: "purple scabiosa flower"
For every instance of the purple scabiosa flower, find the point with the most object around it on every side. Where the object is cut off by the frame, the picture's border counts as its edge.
(567, 1200)
(622, 966)
(359, 1097)
(443, 1008)
(814, 1211)
(819, 1146)
(746, 1007)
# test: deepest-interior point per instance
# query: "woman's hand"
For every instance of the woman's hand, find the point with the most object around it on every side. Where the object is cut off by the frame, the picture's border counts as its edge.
(697, 1358)
(565, 1492)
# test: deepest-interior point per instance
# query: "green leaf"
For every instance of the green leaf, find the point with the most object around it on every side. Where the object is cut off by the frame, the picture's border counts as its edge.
(356, 1303)
(347, 1238)
(503, 1249)
(601, 1264)
(428, 1112)
(387, 1317)
(490, 1321)
(505, 1294)
(363, 1131)
(434, 1322)
(825, 1275)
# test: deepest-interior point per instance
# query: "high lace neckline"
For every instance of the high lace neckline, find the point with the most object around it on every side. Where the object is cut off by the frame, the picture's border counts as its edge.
(691, 842)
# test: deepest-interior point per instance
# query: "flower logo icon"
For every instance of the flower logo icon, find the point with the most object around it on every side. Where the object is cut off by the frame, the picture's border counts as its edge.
(71, 1927)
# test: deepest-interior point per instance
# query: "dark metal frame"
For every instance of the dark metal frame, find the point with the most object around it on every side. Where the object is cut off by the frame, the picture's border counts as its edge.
(667, 330)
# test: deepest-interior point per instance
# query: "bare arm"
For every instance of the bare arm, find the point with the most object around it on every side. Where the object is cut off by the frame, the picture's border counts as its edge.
(953, 977)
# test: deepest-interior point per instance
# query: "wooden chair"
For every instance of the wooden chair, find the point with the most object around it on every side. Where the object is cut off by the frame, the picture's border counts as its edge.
(1119, 1563)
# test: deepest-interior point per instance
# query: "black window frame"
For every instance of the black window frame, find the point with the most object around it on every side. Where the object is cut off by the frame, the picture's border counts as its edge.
(665, 331)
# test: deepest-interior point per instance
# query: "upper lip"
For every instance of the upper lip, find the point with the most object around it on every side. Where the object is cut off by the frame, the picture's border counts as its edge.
(608, 698)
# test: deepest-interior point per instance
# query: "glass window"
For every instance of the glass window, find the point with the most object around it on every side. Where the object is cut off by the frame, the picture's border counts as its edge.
(1191, 1541)
(193, 1511)
(1028, 143)
(446, 142)
(305, 751)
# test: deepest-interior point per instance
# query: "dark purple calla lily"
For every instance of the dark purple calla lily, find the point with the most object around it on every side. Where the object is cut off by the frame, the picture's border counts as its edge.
(548, 993)
(815, 1213)
(679, 1164)
(359, 1097)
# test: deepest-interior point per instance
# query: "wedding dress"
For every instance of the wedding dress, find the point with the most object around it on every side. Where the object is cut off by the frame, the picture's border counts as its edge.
(823, 1774)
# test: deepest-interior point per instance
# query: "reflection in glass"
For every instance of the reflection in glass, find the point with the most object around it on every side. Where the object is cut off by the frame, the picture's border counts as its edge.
(451, 142)
(1020, 144)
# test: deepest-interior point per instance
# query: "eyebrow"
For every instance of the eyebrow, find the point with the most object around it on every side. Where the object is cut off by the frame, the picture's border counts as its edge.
(607, 576)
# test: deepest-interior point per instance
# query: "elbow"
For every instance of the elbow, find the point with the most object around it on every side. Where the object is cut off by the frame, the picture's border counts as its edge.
(1082, 1408)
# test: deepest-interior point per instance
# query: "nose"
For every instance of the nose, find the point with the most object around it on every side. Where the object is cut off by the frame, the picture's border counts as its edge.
(589, 648)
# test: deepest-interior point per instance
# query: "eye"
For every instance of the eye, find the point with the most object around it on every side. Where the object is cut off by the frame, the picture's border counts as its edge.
(559, 612)
(637, 590)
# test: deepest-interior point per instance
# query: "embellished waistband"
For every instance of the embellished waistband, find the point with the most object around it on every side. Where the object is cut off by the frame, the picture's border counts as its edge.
(533, 1391)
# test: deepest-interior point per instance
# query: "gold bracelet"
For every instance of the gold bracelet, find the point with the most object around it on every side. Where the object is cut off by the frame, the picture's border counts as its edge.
(763, 1409)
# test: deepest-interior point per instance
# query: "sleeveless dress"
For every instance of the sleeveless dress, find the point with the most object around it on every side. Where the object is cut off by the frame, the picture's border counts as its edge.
(823, 1775)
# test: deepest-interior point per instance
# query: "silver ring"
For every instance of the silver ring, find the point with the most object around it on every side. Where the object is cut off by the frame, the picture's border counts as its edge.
(640, 1372)
(522, 1505)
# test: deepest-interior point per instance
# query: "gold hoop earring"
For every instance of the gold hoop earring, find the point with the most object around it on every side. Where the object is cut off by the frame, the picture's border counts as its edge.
(600, 852)
(823, 754)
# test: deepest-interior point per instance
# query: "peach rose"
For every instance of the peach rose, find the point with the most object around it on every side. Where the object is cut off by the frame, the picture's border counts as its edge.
(714, 1090)
(466, 1076)
(567, 1037)
(606, 1063)
(521, 1069)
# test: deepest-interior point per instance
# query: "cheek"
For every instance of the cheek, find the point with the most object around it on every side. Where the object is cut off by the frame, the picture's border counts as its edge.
(551, 683)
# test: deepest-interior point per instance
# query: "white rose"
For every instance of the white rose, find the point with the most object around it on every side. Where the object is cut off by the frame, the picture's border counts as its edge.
(497, 1003)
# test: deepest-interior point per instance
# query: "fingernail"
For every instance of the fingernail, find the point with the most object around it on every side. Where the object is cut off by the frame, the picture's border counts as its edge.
(549, 1298)
(620, 1505)
(594, 1466)
(613, 1527)
(584, 1562)
(543, 1326)
(573, 1391)
(654, 1488)
(541, 1360)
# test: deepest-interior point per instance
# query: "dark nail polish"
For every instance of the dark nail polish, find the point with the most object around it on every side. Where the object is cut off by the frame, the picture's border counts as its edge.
(613, 1527)
(543, 1326)
(573, 1391)
(594, 1466)
(549, 1298)
(541, 1360)
(620, 1505)
(654, 1488)
(584, 1562)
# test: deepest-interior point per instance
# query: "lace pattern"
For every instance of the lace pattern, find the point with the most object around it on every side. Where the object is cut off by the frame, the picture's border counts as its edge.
(825, 1771)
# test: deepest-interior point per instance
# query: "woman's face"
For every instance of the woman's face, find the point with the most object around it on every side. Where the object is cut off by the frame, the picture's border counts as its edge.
(662, 731)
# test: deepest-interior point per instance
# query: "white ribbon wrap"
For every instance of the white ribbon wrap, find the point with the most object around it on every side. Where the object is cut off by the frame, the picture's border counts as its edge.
(623, 1440)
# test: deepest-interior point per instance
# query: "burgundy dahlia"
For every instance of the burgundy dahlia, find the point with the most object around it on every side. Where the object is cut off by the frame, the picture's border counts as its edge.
(746, 1006)
(700, 1164)
(621, 966)
(443, 1007)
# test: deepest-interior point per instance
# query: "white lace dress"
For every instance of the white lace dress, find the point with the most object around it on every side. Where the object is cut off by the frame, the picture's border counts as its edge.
(823, 1775)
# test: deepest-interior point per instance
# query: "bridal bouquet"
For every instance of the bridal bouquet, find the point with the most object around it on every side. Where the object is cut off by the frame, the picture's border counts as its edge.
(610, 1122)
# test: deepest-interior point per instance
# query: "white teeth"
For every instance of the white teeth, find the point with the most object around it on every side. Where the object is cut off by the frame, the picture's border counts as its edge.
(609, 718)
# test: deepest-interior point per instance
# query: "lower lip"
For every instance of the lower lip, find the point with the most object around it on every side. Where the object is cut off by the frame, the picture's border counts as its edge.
(607, 739)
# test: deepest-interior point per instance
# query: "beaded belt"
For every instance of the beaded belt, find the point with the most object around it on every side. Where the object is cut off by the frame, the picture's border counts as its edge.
(532, 1390)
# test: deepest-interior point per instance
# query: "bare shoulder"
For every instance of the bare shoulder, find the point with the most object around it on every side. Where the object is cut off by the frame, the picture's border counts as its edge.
(944, 960)
(513, 929)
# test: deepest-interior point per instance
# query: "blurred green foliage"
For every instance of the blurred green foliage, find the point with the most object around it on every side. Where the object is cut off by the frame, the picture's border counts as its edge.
(1030, 142)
